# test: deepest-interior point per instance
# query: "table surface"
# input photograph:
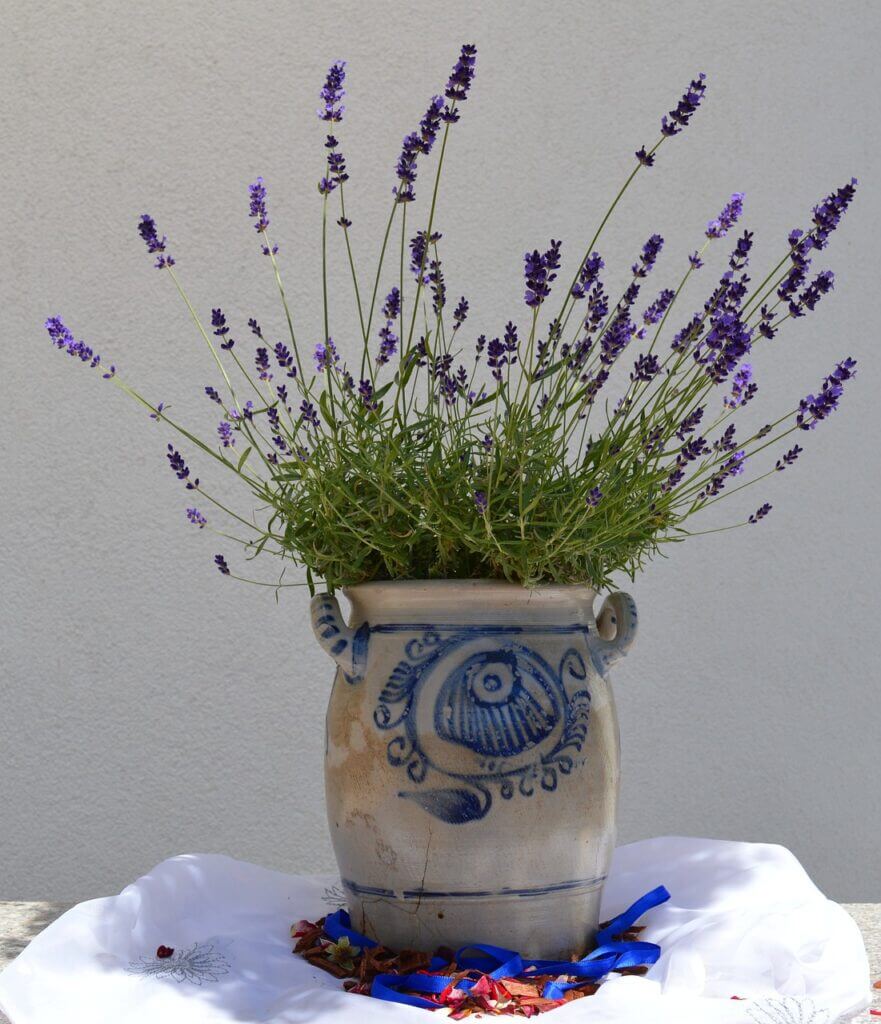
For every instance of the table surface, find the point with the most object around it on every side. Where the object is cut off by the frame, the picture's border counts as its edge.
(21, 921)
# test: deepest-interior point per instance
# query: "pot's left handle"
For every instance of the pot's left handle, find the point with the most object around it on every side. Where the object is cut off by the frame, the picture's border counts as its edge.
(347, 646)
(616, 626)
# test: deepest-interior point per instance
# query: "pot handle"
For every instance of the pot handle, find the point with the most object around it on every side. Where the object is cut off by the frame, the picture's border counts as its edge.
(616, 628)
(347, 646)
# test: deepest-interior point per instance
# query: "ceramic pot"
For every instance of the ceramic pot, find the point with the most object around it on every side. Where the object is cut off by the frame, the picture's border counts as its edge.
(472, 760)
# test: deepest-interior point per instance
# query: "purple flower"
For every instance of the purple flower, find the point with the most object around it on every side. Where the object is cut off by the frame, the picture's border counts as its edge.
(742, 388)
(365, 393)
(391, 308)
(438, 286)
(220, 562)
(326, 356)
(732, 466)
(540, 270)
(414, 144)
(594, 497)
(766, 323)
(180, 468)
(63, 339)
(225, 433)
(820, 286)
(336, 168)
(689, 333)
(147, 231)
(616, 338)
(388, 340)
(740, 255)
(690, 423)
(480, 501)
(659, 307)
(646, 368)
(213, 395)
(419, 253)
(789, 458)
(196, 518)
(462, 74)
(284, 359)
(828, 213)
(157, 415)
(307, 411)
(256, 329)
(261, 361)
(333, 92)
(760, 513)
(814, 408)
(729, 216)
(257, 193)
(726, 442)
(218, 322)
(650, 252)
(681, 115)
(695, 260)
(460, 313)
(587, 275)
(646, 159)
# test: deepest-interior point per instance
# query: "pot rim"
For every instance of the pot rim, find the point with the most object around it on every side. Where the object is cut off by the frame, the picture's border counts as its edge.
(478, 588)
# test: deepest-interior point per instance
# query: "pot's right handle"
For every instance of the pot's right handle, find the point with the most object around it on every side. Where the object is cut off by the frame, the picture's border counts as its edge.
(616, 628)
(347, 646)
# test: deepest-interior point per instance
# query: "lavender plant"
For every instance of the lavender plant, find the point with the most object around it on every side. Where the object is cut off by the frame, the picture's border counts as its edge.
(447, 455)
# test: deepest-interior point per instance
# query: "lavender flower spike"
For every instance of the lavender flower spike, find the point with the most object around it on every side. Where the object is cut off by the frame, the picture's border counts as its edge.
(539, 270)
(729, 216)
(220, 562)
(460, 80)
(333, 92)
(196, 518)
(257, 193)
(814, 408)
(147, 231)
(760, 513)
(685, 108)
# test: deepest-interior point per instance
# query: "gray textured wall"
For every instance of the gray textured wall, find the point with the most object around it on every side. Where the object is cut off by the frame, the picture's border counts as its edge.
(150, 706)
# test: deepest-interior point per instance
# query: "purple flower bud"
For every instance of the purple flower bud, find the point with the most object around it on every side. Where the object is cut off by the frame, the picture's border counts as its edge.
(742, 388)
(594, 497)
(257, 193)
(220, 562)
(460, 313)
(760, 513)
(729, 216)
(333, 93)
(196, 518)
(650, 252)
(814, 408)
(540, 270)
(685, 108)
(462, 74)
(147, 231)
(480, 501)
(180, 468)
(789, 458)
(225, 433)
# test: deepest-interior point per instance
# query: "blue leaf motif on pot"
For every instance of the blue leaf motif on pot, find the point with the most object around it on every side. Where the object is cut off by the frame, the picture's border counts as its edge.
(496, 703)
(476, 711)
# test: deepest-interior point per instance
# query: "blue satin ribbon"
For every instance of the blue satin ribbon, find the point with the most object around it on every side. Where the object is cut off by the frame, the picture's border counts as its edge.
(499, 963)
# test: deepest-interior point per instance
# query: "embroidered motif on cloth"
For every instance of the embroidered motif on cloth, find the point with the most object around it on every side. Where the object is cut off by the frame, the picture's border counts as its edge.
(202, 962)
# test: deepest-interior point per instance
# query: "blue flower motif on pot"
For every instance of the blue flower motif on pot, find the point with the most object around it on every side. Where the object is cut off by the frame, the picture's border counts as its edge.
(483, 713)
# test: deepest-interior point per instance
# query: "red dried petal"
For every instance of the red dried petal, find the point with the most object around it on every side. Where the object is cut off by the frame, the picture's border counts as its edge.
(164, 952)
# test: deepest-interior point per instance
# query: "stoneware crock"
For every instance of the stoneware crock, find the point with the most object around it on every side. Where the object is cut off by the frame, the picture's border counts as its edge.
(472, 760)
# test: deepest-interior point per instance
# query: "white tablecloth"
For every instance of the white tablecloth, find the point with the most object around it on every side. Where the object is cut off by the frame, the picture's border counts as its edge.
(743, 920)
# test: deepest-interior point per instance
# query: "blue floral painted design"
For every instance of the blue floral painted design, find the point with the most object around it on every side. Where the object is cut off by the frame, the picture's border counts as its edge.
(481, 711)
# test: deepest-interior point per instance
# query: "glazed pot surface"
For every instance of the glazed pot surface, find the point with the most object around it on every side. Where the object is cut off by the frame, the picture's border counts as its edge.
(472, 761)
